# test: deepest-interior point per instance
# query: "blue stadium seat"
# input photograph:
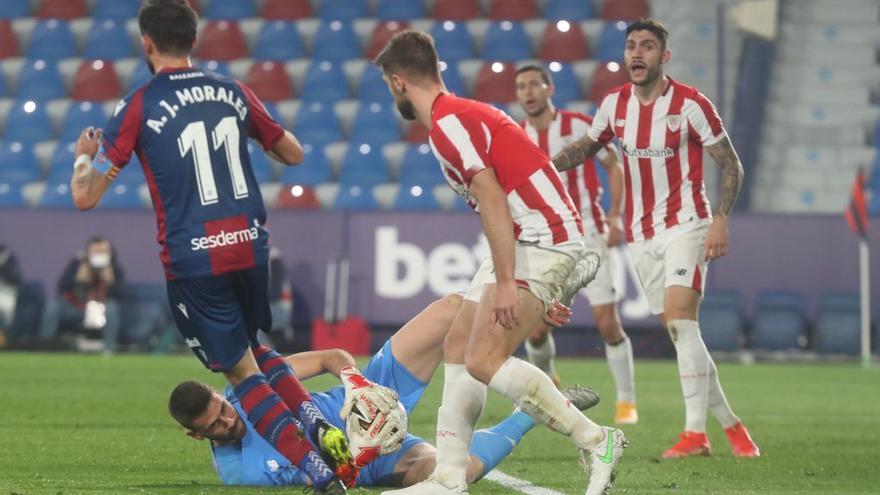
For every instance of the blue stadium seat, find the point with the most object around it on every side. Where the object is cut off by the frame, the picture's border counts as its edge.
(355, 197)
(18, 163)
(216, 66)
(60, 167)
(230, 9)
(314, 169)
(400, 10)
(347, 10)
(11, 195)
(335, 41)
(108, 40)
(28, 122)
(324, 82)
(572, 10)
(363, 165)
(375, 123)
(722, 320)
(453, 41)
(57, 195)
(120, 10)
(838, 324)
(419, 167)
(611, 43)
(372, 87)
(51, 40)
(40, 80)
(4, 89)
(452, 79)
(566, 83)
(416, 198)
(278, 40)
(779, 322)
(14, 9)
(122, 196)
(79, 116)
(506, 41)
(316, 124)
(260, 163)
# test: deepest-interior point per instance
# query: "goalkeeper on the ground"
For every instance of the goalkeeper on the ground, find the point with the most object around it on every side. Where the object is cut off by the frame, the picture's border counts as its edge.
(405, 364)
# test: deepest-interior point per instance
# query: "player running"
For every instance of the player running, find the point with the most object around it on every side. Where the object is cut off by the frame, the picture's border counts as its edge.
(536, 240)
(189, 129)
(663, 127)
(551, 129)
(406, 364)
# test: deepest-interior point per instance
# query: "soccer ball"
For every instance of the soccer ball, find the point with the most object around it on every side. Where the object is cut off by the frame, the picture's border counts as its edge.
(372, 433)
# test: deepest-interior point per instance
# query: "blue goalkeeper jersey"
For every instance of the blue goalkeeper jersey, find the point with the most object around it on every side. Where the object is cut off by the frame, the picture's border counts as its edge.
(189, 129)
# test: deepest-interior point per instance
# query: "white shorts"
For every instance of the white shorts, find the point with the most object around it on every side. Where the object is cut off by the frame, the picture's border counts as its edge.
(601, 290)
(674, 257)
(542, 270)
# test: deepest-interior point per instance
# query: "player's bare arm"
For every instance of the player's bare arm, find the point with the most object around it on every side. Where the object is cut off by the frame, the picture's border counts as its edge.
(615, 182)
(731, 181)
(287, 150)
(575, 153)
(87, 184)
(498, 226)
(313, 363)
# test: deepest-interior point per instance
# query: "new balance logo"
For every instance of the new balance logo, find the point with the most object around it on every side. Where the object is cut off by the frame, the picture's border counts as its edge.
(193, 343)
(681, 272)
(182, 309)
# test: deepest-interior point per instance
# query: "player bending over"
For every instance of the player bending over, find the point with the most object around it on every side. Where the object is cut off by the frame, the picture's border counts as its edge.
(663, 127)
(406, 363)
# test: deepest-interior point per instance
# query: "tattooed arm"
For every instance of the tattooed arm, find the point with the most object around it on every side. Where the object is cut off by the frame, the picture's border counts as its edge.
(731, 181)
(88, 185)
(575, 153)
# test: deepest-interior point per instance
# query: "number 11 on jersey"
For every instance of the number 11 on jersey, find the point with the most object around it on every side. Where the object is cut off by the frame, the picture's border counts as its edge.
(195, 137)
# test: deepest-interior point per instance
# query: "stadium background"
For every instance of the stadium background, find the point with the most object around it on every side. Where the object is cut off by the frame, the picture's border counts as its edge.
(801, 109)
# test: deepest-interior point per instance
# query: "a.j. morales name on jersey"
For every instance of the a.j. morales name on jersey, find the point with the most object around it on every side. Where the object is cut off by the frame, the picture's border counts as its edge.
(197, 94)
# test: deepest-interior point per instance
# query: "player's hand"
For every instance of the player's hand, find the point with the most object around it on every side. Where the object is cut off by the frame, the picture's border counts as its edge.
(716, 239)
(88, 142)
(558, 314)
(370, 395)
(615, 230)
(504, 306)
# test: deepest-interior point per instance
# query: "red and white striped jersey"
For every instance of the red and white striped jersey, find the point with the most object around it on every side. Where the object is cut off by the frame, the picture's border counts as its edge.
(582, 183)
(468, 136)
(662, 147)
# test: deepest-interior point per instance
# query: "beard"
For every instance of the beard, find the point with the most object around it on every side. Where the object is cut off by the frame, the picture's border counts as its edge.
(150, 66)
(538, 111)
(406, 109)
(651, 76)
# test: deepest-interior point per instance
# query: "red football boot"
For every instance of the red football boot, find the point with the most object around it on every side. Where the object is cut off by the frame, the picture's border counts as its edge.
(741, 442)
(690, 444)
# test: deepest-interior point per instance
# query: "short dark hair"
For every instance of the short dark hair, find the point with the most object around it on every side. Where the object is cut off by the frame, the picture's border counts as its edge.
(171, 24)
(188, 401)
(545, 76)
(652, 25)
(410, 52)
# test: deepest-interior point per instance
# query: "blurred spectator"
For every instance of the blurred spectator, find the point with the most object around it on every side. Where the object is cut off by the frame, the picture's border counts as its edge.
(10, 280)
(280, 297)
(90, 294)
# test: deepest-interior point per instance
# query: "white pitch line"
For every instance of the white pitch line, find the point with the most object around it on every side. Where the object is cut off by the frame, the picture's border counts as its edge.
(519, 485)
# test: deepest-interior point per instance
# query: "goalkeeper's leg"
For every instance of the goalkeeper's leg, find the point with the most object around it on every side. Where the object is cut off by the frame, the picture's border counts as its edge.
(329, 439)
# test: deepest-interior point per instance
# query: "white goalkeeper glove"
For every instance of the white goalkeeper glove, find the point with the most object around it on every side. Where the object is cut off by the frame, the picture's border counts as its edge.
(372, 398)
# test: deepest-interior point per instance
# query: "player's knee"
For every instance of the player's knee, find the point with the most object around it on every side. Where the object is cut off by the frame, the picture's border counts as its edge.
(539, 335)
(480, 369)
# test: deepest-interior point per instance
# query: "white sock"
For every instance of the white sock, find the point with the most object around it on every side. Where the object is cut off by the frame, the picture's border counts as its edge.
(534, 392)
(717, 401)
(543, 355)
(463, 399)
(693, 369)
(620, 362)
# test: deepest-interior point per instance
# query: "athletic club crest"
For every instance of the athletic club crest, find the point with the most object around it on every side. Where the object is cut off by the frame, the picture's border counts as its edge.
(673, 122)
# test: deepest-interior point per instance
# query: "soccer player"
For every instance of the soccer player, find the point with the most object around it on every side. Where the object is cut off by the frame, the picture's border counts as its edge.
(663, 127)
(189, 129)
(551, 129)
(406, 363)
(536, 240)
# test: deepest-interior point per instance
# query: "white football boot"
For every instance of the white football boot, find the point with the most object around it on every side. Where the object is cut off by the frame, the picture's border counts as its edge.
(429, 487)
(600, 461)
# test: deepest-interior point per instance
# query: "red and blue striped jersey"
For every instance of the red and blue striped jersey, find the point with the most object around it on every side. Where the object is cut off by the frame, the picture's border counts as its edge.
(189, 130)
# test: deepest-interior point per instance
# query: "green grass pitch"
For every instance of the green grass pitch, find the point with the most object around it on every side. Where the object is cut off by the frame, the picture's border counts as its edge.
(93, 425)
